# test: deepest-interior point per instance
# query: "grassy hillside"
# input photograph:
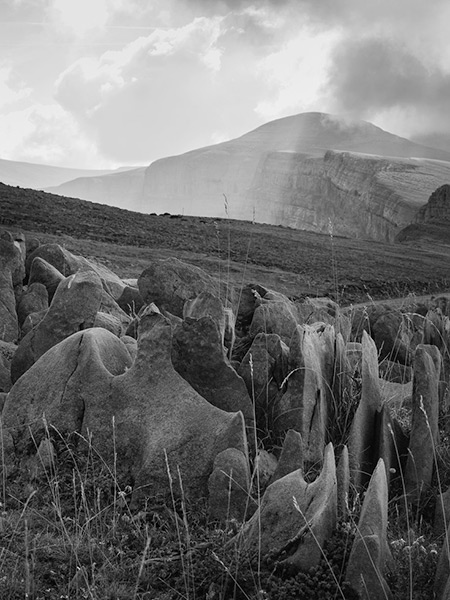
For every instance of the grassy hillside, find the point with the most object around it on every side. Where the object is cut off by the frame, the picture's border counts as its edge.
(294, 262)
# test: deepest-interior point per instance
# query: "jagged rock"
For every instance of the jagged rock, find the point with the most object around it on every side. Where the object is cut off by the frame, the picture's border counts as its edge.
(343, 483)
(229, 487)
(249, 298)
(141, 417)
(291, 457)
(207, 304)
(130, 300)
(263, 370)
(304, 406)
(43, 272)
(74, 307)
(33, 300)
(425, 412)
(362, 434)
(68, 264)
(198, 356)
(274, 317)
(169, 283)
(294, 520)
(370, 555)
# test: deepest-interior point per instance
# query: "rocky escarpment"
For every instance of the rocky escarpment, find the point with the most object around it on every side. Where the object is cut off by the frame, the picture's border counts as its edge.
(432, 221)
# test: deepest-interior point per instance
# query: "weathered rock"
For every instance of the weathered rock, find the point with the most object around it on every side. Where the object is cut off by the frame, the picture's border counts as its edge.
(274, 317)
(229, 487)
(68, 264)
(291, 457)
(145, 412)
(294, 520)
(304, 407)
(31, 322)
(207, 304)
(263, 370)
(370, 555)
(9, 257)
(198, 355)
(362, 451)
(130, 345)
(425, 412)
(108, 322)
(248, 300)
(14, 256)
(43, 272)
(74, 308)
(33, 300)
(396, 395)
(169, 283)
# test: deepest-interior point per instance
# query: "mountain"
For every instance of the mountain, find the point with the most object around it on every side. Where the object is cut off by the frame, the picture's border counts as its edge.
(31, 175)
(311, 171)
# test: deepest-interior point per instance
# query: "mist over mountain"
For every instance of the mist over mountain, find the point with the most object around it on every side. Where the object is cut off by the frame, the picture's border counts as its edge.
(310, 171)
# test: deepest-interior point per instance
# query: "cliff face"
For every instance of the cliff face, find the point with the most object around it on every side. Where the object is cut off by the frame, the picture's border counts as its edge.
(352, 194)
(437, 209)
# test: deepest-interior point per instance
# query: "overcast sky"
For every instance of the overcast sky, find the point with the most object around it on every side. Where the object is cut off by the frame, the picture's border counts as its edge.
(103, 83)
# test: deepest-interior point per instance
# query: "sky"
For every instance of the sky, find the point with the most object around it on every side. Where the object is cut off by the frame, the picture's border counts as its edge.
(108, 83)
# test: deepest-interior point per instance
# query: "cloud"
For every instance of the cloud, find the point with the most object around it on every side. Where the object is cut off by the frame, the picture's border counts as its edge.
(183, 73)
(47, 134)
(11, 92)
(377, 78)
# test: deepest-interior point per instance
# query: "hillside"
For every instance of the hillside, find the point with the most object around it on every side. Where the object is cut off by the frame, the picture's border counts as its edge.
(306, 171)
(297, 263)
(38, 176)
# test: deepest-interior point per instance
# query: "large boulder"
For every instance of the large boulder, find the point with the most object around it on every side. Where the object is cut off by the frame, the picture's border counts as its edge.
(74, 307)
(44, 273)
(142, 418)
(169, 283)
(68, 264)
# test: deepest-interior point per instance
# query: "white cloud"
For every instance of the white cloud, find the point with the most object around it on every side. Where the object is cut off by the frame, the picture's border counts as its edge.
(47, 134)
(163, 93)
(9, 93)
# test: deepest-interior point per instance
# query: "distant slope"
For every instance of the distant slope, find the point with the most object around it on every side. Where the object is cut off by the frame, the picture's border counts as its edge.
(31, 175)
(309, 171)
(122, 189)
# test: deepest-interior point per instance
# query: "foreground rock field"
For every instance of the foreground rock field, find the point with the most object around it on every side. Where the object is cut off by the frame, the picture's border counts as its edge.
(295, 423)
